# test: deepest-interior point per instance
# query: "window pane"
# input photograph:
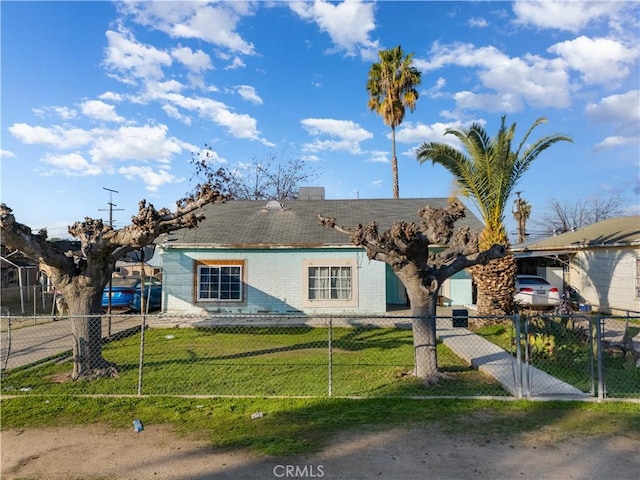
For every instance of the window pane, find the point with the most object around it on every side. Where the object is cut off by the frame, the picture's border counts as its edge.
(220, 283)
(329, 283)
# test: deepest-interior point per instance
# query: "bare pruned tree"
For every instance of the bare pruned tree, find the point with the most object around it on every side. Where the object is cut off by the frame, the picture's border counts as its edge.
(566, 216)
(274, 177)
(80, 274)
(406, 248)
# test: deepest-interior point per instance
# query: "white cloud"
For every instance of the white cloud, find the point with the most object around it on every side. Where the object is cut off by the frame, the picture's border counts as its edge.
(111, 97)
(131, 60)
(615, 141)
(159, 90)
(131, 143)
(621, 110)
(247, 92)
(100, 110)
(477, 22)
(349, 135)
(103, 145)
(565, 14)
(173, 112)
(235, 64)
(512, 82)
(340, 128)
(349, 24)
(151, 178)
(378, 156)
(196, 62)
(210, 156)
(212, 23)
(6, 154)
(65, 113)
(419, 133)
(599, 60)
(56, 136)
(436, 90)
(238, 125)
(71, 164)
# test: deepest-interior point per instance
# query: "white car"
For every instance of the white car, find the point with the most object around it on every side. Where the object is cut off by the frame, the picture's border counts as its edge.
(535, 292)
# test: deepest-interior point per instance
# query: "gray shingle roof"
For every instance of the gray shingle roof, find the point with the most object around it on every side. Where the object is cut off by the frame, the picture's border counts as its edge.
(248, 223)
(612, 232)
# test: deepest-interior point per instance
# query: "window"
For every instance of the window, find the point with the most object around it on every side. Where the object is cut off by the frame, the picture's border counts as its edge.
(219, 282)
(329, 283)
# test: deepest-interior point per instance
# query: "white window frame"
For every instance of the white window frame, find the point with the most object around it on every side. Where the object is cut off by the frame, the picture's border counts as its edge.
(215, 264)
(350, 302)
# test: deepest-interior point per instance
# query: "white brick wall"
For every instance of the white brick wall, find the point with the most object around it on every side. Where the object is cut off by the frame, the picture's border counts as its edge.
(274, 280)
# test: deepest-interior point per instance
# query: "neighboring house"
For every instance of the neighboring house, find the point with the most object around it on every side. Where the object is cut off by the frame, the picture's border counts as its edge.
(601, 260)
(18, 275)
(268, 257)
(132, 265)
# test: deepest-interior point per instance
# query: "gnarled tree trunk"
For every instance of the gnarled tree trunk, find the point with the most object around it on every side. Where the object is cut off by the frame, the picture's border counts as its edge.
(405, 247)
(84, 306)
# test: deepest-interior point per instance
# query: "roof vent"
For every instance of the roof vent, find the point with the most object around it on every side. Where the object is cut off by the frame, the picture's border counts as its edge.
(311, 193)
(274, 205)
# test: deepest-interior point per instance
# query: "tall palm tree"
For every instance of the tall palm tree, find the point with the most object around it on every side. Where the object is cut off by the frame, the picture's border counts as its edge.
(521, 212)
(488, 174)
(392, 88)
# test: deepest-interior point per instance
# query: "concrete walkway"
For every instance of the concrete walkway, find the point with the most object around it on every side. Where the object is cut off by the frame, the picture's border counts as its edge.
(495, 362)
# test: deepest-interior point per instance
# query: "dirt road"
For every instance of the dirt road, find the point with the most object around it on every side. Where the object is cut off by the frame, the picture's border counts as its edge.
(98, 453)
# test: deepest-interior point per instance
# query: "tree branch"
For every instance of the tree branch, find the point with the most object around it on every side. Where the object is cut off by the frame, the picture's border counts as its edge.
(480, 258)
(33, 245)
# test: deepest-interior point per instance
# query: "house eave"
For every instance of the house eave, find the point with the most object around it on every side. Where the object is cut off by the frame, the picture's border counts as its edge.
(569, 249)
(252, 246)
(262, 246)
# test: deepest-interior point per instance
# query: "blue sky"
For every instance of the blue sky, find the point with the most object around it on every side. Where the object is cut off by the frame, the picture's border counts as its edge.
(99, 95)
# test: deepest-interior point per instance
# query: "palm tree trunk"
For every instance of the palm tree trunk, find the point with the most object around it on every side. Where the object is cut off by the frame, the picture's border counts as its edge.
(496, 289)
(394, 165)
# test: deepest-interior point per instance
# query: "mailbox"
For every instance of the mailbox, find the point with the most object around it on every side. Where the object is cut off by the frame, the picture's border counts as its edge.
(460, 318)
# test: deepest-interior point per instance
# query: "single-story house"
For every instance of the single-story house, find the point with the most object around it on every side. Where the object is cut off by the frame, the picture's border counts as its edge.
(134, 263)
(18, 277)
(276, 258)
(601, 260)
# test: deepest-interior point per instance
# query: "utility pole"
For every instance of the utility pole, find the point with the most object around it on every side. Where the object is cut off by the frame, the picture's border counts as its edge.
(111, 210)
(111, 205)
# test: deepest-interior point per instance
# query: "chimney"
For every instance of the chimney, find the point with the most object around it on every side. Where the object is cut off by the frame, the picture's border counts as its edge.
(311, 193)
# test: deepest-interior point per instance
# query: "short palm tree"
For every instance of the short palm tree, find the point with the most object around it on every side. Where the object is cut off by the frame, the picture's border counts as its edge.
(392, 88)
(488, 174)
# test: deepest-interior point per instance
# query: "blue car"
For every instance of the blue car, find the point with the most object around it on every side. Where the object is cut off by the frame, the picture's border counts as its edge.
(125, 293)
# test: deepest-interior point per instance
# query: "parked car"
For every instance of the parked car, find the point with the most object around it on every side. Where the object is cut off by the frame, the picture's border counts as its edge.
(126, 293)
(533, 291)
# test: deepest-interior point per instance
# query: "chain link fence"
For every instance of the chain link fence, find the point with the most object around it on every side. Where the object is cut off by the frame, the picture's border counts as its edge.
(551, 356)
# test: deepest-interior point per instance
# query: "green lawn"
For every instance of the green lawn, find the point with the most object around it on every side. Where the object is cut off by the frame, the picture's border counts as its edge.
(290, 361)
(304, 425)
(564, 352)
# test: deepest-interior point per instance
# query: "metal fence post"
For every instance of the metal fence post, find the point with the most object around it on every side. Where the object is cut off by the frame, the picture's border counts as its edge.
(599, 359)
(141, 365)
(330, 347)
(516, 319)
